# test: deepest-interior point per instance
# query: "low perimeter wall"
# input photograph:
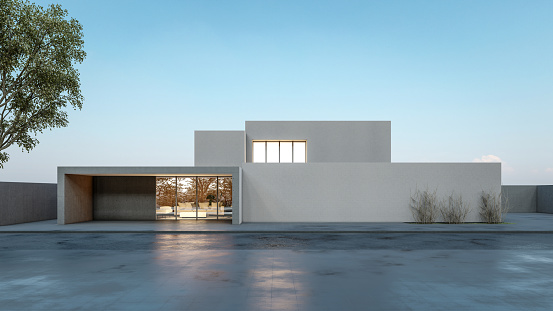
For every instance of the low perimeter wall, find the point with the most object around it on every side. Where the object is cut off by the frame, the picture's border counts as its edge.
(27, 202)
(529, 199)
(357, 192)
(520, 199)
(544, 199)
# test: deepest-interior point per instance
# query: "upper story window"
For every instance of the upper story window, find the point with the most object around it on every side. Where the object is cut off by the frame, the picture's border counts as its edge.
(284, 151)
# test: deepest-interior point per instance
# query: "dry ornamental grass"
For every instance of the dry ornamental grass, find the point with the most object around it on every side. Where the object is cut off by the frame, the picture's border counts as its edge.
(424, 206)
(454, 210)
(492, 209)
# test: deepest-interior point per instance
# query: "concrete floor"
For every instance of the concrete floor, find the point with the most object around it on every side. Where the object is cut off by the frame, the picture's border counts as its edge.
(517, 222)
(287, 271)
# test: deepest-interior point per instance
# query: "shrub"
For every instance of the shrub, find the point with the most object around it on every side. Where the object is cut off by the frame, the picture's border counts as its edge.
(424, 206)
(492, 210)
(454, 210)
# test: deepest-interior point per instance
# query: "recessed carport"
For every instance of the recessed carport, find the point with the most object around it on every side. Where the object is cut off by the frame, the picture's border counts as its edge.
(126, 193)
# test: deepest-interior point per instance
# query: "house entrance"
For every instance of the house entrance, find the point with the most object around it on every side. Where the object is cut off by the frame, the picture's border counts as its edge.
(193, 197)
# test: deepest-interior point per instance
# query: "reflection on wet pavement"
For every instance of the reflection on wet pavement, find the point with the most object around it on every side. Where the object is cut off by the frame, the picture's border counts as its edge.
(275, 272)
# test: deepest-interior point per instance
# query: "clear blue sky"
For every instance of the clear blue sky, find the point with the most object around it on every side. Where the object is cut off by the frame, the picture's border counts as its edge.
(459, 80)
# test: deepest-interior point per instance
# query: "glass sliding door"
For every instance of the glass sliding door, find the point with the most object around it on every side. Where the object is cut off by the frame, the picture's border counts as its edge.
(207, 197)
(225, 197)
(187, 203)
(194, 197)
(166, 197)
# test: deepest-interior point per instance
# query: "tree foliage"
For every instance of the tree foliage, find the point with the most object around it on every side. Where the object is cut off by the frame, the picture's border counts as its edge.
(38, 50)
(165, 191)
(187, 188)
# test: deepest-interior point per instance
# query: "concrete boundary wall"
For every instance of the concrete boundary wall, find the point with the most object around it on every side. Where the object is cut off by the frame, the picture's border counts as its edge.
(529, 198)
(521, 199)
(545, 199)
(357, 192)
(26, 202)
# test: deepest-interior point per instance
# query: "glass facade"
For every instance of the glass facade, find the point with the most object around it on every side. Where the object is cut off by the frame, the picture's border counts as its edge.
(273, 154)
(194, 197)
(299, 152)
(259, 152)
(166, 191)
(286, 151)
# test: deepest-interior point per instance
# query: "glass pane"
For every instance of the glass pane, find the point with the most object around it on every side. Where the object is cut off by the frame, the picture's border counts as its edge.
(285, 152)
(225, 196)
(207, 196)
(258, 152)
(186, 195)
(272, 152)
(165, 197)
(299, 152)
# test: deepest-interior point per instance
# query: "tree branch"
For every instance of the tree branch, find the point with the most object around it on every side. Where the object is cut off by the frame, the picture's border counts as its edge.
(4, 76)
(16, 119)
(36, 71)
(8, 137)
(23, 71)
(13, 137)
(14, 93)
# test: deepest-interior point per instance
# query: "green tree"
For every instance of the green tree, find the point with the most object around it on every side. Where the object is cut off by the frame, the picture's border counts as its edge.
(38, 50)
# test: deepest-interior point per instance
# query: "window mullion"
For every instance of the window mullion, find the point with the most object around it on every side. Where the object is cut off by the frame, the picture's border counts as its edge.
(292, 151)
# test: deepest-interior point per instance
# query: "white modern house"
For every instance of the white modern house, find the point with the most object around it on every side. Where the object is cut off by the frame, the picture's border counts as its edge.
(274, 171)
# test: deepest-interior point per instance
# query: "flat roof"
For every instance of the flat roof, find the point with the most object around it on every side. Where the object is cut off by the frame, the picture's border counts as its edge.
(149, 170)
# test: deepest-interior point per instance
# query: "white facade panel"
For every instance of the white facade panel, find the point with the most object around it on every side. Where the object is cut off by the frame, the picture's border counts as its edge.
(327, 141)
(357, 192)
(219, 148)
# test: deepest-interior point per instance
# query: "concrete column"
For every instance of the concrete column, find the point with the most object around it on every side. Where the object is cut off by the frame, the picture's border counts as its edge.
(76, 203)
(237, 197)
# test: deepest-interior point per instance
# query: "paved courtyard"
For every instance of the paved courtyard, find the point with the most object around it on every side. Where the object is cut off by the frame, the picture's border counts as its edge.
(288, 271)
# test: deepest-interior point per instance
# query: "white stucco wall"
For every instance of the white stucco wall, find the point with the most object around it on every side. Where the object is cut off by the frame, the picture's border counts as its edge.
(219, 148)
(356, 192)
(328, 141)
